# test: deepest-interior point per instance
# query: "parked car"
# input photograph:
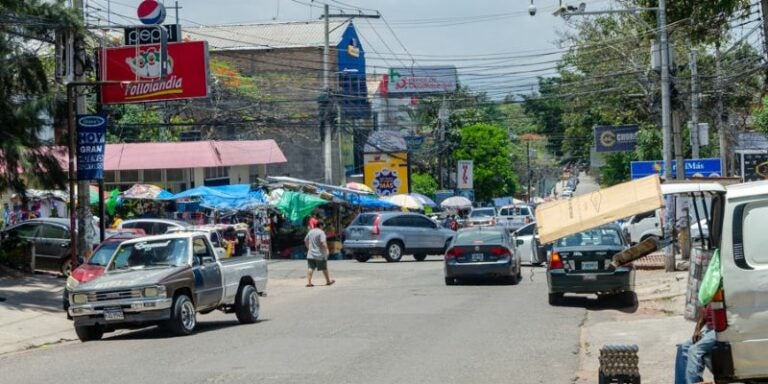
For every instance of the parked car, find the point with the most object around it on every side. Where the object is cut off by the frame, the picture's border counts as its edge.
(527, 247)
(50, 237)
(94, 266)
(167, 280)
(579, 264)
(514, 217)
(153, 226)
(393, 234)
(643, 226)
(481, 252)
(481, 217)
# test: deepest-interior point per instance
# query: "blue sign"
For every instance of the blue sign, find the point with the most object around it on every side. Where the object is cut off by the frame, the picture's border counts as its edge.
(693, 168)
(468, 193)
(610, 138)
(353, 89)
(91, 140)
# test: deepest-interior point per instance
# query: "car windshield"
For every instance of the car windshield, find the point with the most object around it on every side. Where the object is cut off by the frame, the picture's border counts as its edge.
(171, 252)
(482, 213)
(592, 237)
(479, 237)
(365, 219)
(515, 211)
(103, 253)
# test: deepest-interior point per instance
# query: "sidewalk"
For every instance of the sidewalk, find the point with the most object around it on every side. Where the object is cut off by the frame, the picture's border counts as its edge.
(31, 314)
(656, 326)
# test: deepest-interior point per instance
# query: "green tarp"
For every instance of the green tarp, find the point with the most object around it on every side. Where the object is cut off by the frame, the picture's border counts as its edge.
(296, 205)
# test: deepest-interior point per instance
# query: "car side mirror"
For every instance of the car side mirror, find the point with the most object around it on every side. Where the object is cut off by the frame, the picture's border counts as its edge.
(519, 242)
(208, 260)
(220, 252)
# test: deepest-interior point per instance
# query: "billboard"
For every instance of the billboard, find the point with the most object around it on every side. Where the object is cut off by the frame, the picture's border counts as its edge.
(353, 88)
(386, 173)
(621, 138)
(91, 139)
(693, 168)
(138, 70)
(465, 174)
(152, 34)
(421, 80)
(752, 165)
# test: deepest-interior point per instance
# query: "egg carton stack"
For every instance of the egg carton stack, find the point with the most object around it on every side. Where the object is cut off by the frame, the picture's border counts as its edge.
(699, 262)
(618, 364)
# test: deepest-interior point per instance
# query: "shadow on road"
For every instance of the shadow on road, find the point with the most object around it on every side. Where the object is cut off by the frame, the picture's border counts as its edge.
(158, 332)
(598, 303)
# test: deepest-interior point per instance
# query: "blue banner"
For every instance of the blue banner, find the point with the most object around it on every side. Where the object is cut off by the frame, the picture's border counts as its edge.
(610, 138)
(353, 89)
(91, 140)
(693, 168)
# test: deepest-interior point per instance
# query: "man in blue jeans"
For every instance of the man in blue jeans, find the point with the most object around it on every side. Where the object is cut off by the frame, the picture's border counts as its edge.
(699, 346)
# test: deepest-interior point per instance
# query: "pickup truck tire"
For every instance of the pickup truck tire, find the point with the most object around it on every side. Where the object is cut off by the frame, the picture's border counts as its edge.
(362, 257)
(89, 332)
(247, 305)
(555, 298)
(450, 281)
(394, 251)
(420, 256)
(66, 267)
(183, 316)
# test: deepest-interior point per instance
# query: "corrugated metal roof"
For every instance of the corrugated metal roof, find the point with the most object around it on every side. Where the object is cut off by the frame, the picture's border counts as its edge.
(265, 36)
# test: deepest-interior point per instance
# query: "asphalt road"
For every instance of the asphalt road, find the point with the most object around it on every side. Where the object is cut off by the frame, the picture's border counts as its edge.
(380, 323)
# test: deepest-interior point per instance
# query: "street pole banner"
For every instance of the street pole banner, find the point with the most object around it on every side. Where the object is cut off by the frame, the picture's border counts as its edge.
(465, 174)
(693, 168)
(139, 70)
(609, 138)
(91, 140)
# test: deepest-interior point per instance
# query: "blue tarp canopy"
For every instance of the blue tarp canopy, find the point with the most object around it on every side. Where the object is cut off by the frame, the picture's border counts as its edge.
(225, 197)
(364, 201)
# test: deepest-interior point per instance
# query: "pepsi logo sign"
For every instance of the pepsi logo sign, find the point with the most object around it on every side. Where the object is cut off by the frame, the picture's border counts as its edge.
(91, 121)
(151, 12)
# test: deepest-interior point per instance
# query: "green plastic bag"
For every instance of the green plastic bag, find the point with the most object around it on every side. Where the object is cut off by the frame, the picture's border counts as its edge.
(711, 282)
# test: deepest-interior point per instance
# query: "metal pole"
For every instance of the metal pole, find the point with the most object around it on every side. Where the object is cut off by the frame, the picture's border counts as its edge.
(327, 138)
(666, 105)
(528, 159)
(695, 140)
(84, 217)
(678, 141)
(72, 179)
(342, 170)
(102, 216)
(721, 126)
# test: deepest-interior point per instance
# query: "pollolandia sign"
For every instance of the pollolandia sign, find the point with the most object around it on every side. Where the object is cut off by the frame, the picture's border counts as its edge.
(139, 71)
(421, 80)
(91, 140)
(620, 138)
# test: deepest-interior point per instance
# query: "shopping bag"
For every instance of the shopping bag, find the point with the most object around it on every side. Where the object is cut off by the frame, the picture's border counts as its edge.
(711, 282)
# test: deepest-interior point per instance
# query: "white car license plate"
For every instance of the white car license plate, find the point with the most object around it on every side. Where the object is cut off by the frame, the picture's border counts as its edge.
(589, 277)
(478, 257)
(589, 265)
(112, 314)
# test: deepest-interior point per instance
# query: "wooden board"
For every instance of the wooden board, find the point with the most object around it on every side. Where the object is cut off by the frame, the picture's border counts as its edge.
(561, 218)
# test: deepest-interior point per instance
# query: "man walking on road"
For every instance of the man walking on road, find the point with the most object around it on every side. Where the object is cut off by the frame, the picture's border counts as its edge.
(317, 253)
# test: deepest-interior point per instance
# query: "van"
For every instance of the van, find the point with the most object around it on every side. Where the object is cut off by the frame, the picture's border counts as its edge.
(740, 307)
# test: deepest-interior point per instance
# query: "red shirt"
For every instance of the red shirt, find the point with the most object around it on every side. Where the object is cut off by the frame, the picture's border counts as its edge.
(312, 222)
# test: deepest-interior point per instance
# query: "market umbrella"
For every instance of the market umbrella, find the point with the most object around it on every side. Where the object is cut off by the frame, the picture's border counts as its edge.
(456, 202)
(405, 201)
(146, 192)
(359, 187)
(424, 200)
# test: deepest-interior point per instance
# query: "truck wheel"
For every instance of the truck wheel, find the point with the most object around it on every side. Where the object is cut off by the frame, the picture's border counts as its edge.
(420, 257)
(89, 332)
(394, 251)
(450, 281)
(66, 267)
(183, 317)
(247, 305)
(555, 298)
(362, 257)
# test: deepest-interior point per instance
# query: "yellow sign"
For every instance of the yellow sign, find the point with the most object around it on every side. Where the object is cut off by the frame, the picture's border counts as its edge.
(387, 173)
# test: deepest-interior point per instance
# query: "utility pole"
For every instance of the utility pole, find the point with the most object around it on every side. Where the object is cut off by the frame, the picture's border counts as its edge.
(327, 134)
(666, 105)
(695, 140)
(528, 159)
(721, 126)
(84, 217)
(764, 12)
(678, 143)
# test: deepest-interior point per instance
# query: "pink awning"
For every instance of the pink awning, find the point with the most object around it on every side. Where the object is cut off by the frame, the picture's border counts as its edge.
(191, 154)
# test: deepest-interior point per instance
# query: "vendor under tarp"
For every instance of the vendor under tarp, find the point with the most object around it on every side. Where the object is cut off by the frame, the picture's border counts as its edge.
(225, 197)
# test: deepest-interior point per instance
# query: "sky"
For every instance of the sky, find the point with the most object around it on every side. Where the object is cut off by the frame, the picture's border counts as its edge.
(496, 45)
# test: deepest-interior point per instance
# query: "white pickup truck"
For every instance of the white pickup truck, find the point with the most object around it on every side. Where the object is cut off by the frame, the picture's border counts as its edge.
(167, 280)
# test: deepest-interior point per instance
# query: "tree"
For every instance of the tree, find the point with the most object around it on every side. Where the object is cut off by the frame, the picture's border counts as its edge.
(423, 183)
(488, 147)
(26, 94)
